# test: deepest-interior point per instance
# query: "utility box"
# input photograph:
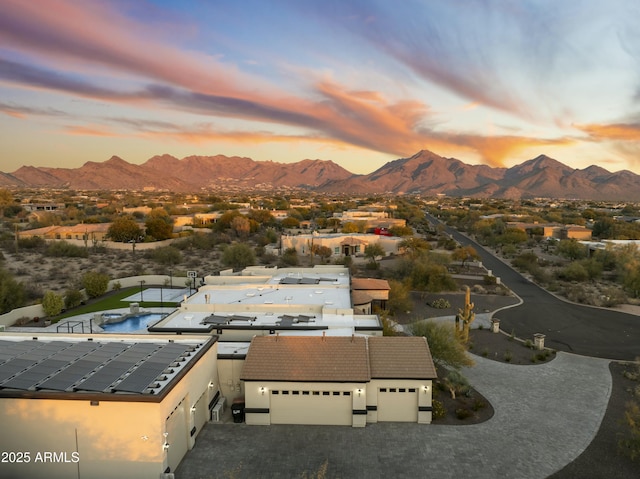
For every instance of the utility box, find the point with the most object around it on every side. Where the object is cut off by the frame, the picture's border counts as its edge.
(495, 325)
(538, 341)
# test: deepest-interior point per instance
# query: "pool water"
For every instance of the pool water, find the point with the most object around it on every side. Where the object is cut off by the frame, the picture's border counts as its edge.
(133, 323)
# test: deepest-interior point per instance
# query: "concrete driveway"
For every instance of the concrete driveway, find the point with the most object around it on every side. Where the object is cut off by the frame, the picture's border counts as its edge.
(546, 415)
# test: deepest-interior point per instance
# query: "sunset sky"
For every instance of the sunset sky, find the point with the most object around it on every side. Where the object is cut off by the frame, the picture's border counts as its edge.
(359, 82)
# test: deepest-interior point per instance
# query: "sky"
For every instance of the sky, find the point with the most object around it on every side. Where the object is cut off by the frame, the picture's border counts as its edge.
(358, 82)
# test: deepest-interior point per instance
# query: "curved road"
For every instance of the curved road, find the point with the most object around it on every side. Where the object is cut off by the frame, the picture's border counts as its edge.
(568, 327)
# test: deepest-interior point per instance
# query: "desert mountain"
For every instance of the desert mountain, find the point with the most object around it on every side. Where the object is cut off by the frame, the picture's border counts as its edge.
(425, 172)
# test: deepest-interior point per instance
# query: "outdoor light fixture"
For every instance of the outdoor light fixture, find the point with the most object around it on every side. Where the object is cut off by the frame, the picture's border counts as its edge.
(425, 389)
(193, 409)
(211, 385)
(165, 446)
(262, 390)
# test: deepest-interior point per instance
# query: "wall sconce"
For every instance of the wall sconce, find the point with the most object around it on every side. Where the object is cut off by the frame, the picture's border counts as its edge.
(211, 385)
(262, 390)
(359, 391)
(425, 389)
(193, 409)
(165, 446)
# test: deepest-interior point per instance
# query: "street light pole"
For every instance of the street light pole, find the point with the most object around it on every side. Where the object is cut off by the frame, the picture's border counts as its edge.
(141, 296)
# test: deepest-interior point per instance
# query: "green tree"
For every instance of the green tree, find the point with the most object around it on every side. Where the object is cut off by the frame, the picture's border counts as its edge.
(159, 224)
(400, 231)
(571, 249)
(289, 257)
(399, 297)
(445, 347)
(12, 292)
(241, 226)
(350, 227)
(630, 443)
(290, 222)
(414, 246)
(238, 256)
(52, 303)
(464, 254)
(95, 283)
(372, 251)
(6, 200)
(124, 229)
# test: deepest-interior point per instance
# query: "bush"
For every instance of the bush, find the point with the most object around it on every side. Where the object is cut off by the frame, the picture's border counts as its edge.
(62, 249)
(52, 303)
(166, 255)
(440, 303)
(95, 284)
(463, 413)
(438, 410)
(73, 298)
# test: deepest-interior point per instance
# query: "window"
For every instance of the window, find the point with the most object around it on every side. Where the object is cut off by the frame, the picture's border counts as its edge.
(346, 393)
(402, 390)
(412, 390)
(325, 393)
(383, 390)
(316, 393)
(295, 393)
(275, 392)
(305, 393)
(392, 390)
(336, 393)
(336, 250)
(285, 392)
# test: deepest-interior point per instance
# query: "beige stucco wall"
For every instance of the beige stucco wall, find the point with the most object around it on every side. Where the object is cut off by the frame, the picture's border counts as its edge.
(229, 371)
(113, 439)
(424, 390)
(258, 398)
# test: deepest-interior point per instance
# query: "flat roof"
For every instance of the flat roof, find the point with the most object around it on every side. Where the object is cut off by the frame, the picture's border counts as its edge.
(111, 366)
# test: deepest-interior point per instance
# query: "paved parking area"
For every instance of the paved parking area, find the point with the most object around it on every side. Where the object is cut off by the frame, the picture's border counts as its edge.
(545, 416)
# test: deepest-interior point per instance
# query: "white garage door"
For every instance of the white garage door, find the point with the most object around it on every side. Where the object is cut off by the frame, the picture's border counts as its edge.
(311, 407)
(398, 405)
(177, 437)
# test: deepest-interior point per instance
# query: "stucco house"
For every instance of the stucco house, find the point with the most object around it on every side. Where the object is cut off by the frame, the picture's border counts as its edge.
(348, 381)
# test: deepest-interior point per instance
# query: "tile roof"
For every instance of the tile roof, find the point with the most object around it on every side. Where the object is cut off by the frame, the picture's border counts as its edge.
(400, 357)
(307, 358)
(369, 283)
(337, 358)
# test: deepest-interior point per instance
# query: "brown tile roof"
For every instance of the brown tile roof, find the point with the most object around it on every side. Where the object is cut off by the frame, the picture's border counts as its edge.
(369, 283)
(307, 358)
(400, 357)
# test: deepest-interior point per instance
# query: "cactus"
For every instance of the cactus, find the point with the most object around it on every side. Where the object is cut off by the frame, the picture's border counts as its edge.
(465, 317)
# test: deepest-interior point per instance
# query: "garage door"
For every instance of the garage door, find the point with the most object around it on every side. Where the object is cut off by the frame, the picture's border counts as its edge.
(398, 405)
(177, 436)
(311, 407)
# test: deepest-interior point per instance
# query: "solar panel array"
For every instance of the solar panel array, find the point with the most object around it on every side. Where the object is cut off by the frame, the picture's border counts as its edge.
(90, 366)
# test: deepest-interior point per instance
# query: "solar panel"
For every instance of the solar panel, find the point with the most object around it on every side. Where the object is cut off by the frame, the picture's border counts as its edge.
(214, 319)
(146, 373)
(29, 378)
(12, 367)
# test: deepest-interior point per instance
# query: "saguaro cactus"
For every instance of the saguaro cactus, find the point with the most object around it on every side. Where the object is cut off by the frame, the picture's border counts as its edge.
(465, 317)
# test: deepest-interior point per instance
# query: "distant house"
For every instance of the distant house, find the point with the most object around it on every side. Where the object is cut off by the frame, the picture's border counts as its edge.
(87, 232)
(348, 381)
(369, 292)
(340, 244)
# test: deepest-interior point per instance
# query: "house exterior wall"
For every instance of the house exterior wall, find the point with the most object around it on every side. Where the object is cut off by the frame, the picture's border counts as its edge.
(302, 243)
(231, 386)
(424, 392)
(306, 403)
(110, 439)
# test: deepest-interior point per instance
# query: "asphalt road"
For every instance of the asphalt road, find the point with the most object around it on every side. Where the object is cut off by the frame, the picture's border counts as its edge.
(568, 327)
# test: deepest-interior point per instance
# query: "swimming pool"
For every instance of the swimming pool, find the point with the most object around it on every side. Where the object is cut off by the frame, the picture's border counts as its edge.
(133, 323)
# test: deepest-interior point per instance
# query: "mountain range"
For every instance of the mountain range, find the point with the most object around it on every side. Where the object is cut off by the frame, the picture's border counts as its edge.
(425, 172)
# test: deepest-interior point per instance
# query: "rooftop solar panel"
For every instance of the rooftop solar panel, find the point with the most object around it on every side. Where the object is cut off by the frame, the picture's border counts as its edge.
(12, 367)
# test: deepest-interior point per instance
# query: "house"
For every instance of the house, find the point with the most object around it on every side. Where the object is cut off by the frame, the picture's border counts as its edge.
(87, 232)
(347, 381)
(353, 244)
(103, 406)
(367, 293)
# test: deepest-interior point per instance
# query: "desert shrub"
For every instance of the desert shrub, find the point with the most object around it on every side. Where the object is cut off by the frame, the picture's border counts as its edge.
(73, 298)
(478, 404)
(462, 413)
(31, 243)
(289, 257)
(574, 272)
(440, 303)
(62, 249)
(508, 356)
(52, 303)
(490, 279)
(12, 293)
(166, 255)
(528, 344)
(95, 283)
(238, 256)
(116, 286)
(438, 410)
(630, 443)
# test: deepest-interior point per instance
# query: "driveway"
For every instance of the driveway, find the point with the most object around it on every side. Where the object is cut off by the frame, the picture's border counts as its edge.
(546, 415)
(568, 327)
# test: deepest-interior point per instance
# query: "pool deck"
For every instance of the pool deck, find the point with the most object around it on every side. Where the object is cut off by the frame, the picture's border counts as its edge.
(84, 322)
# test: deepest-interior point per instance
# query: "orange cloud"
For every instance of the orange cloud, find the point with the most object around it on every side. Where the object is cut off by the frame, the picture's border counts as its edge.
(614, 131)
(81, 130)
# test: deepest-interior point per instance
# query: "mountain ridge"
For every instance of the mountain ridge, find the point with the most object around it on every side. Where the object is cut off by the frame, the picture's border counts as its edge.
(424, 172)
